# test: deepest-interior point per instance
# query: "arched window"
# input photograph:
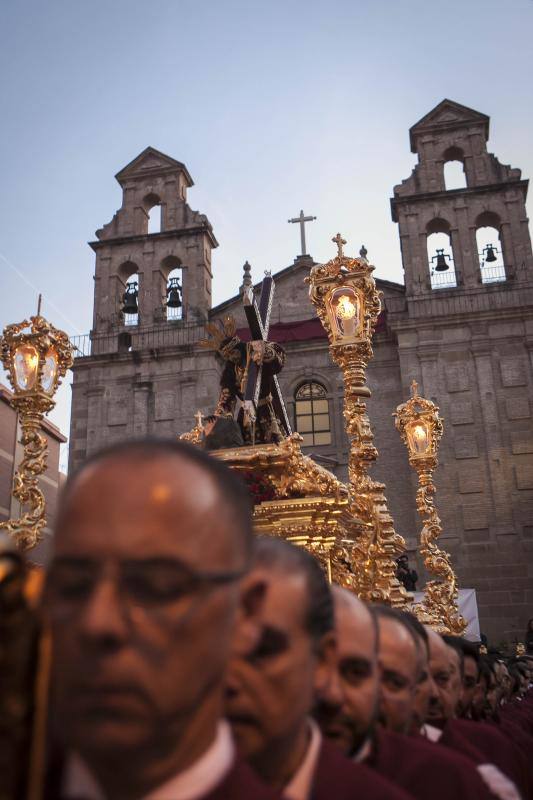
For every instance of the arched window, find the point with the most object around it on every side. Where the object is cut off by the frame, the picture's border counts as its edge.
(489, 248)
(312, 414)
(454, 169)
(174, 301)
(130, 300)
(440, 255)
(154, 219)
(152, 206)
(454, 175)
(128, 275)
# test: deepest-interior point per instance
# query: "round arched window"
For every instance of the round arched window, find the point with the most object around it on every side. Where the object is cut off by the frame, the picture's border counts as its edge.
(312, 414)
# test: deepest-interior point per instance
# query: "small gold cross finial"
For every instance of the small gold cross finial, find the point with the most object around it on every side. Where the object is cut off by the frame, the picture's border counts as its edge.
(198, 417)
(414, 389)
(339, 241)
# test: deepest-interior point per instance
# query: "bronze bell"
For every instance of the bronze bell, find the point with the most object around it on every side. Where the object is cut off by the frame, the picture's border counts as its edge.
(441, 265)
(174, 294)
(490, 254)
(129, 298)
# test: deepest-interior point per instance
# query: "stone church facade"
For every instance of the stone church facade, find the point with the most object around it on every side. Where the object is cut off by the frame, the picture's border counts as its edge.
(462, 326)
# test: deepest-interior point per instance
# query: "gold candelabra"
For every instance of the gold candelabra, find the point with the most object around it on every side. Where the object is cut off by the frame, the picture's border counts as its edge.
(35, 360)
(344, 294)
(421, 428)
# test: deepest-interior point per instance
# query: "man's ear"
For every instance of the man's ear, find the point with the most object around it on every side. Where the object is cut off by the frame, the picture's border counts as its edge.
(327, 660)
(248, 626)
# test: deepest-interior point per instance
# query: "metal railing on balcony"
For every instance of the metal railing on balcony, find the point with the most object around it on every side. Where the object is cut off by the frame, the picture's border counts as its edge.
(444, 280)
(132, 339)
(495, 274)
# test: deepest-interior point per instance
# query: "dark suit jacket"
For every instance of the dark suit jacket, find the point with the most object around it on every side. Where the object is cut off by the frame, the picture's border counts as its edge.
(424, 769)
(338, 778)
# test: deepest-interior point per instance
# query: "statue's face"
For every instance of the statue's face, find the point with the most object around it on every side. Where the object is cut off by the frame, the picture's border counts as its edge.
(257, 352)
(235, 357)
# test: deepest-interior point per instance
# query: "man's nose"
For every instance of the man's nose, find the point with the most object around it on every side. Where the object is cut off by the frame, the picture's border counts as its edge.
(433, 690)
(103, 623)
(330, 690)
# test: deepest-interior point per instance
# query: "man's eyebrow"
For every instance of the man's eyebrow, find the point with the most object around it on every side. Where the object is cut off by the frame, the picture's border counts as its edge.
(360, 662)
(272, 640)
(72, 561)
(391, 673)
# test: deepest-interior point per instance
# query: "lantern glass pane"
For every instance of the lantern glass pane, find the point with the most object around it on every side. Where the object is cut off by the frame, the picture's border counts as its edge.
(26, 365)
(419, 438)
(49, 374)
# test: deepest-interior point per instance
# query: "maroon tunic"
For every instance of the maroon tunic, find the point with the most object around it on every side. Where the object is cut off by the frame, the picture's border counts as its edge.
(240, 783)
(338, 778)
(484, 744)
(423, 769)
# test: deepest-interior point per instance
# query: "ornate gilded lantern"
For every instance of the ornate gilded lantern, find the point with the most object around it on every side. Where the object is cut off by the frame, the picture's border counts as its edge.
(421, 427)
(36, 356)
(344, 294)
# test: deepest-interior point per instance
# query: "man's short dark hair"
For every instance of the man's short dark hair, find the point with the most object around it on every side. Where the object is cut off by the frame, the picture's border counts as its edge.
(279, 554)
(234, 496)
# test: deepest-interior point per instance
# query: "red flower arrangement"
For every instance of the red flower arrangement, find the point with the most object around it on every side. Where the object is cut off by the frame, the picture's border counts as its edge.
(259, 486)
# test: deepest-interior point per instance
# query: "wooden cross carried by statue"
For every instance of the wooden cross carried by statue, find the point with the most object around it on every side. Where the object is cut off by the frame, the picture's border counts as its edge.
(262, 385)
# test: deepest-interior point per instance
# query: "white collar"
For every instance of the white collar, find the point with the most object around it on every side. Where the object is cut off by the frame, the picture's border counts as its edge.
(195, 782)
(301, 783)
(363, 752)
(431, 732)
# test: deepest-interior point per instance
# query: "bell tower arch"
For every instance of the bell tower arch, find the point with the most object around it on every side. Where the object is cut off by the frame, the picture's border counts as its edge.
(137, 371)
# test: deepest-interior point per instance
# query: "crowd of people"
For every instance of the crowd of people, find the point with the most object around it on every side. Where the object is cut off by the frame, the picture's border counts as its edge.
(192, 659)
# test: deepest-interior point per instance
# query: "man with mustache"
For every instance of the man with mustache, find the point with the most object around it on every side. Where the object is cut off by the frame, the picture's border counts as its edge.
(369, 722)
(271, 692)
(146, 596)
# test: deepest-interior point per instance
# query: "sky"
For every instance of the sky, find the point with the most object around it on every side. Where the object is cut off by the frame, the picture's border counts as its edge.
(274, 106)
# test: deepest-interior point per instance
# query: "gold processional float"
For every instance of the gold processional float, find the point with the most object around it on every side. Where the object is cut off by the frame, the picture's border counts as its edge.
(348, 527)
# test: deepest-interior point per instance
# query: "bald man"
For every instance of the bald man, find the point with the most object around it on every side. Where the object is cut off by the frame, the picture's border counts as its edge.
(352, 701)
(146, 598)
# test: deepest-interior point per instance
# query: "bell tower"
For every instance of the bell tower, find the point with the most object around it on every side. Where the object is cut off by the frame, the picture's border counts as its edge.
(136, 372)
(154, 189)
(465, 334)
(492, 196)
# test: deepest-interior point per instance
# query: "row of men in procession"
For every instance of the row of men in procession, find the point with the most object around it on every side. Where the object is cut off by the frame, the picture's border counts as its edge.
(192, 659)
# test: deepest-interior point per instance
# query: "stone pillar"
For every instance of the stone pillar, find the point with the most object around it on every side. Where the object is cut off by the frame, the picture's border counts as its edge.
(495, 449)
(141, 410)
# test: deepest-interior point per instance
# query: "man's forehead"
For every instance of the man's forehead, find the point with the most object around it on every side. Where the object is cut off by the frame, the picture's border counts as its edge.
(355, 628)
(395, 636)
(286, 597)
(154, 505)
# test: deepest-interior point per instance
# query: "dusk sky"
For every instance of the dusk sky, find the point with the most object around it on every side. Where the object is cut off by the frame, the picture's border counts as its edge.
(273, 106)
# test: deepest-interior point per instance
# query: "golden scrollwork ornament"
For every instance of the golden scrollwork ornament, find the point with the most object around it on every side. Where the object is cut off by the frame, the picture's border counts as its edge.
(347, 302)
(36, 356)
(421, 428)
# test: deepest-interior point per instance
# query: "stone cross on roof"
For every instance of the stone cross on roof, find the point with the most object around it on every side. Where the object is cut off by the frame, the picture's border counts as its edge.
(302, 220)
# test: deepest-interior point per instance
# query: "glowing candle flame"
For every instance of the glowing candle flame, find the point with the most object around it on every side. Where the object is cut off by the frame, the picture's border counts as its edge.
(345, 308)
(420, 438)
(26, 363)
